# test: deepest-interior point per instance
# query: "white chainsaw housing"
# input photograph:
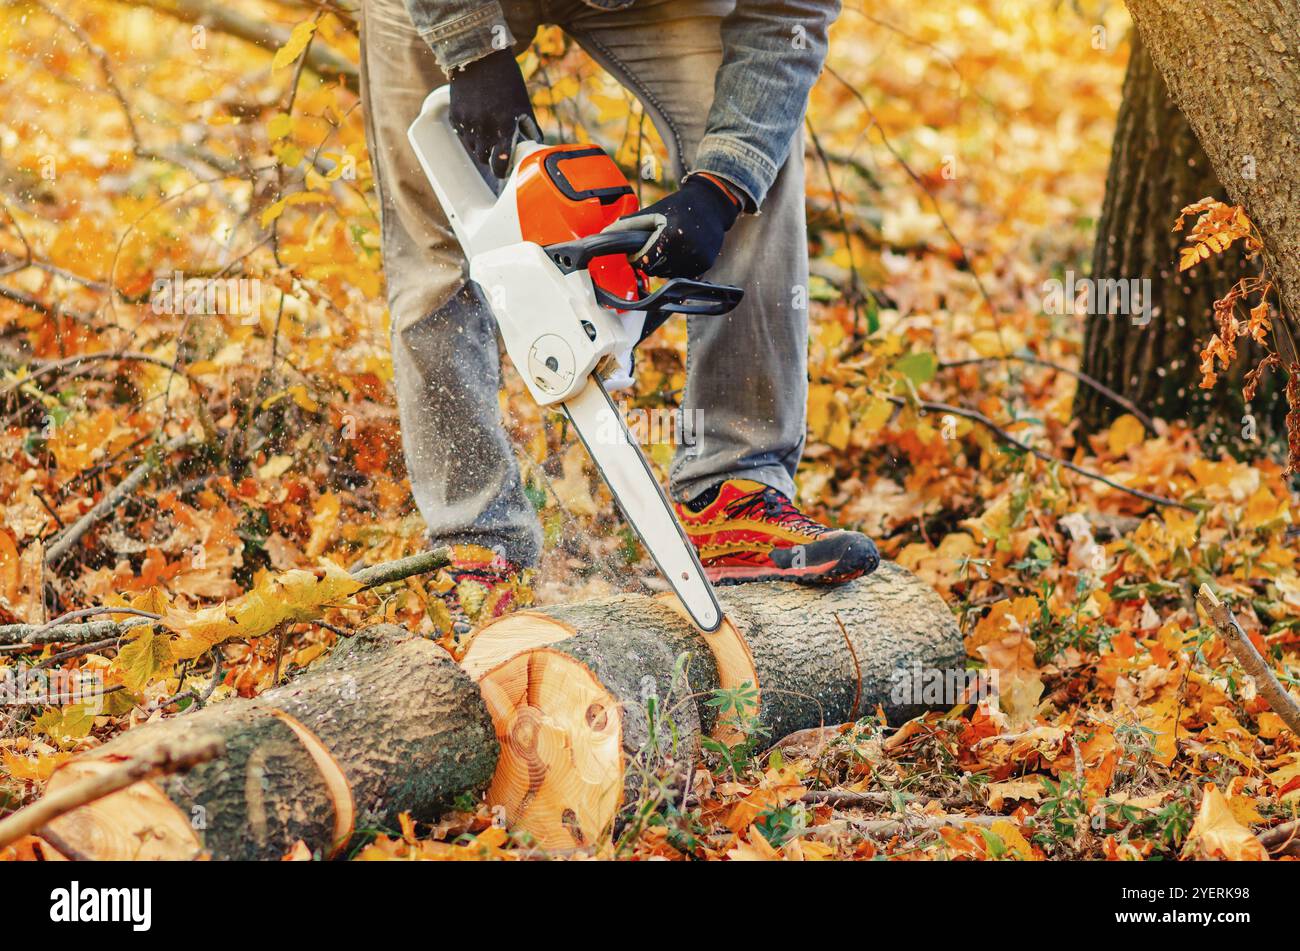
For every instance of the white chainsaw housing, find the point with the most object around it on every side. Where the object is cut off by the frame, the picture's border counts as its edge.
(555, 331)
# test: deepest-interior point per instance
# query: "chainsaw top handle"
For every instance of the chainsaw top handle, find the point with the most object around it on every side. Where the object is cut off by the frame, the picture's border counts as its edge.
(679, 295)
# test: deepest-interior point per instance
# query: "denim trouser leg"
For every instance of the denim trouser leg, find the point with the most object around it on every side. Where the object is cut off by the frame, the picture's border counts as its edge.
(746, 372)
(445, 355)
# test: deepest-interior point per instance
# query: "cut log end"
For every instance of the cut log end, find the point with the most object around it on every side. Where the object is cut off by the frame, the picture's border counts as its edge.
(138, 822)
(560, 771)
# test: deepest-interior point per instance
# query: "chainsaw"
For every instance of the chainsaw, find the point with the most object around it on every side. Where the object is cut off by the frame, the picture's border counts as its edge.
(571, 306)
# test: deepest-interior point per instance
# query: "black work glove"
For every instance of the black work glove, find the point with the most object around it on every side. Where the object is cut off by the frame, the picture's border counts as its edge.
(489, 108)
(686, 229)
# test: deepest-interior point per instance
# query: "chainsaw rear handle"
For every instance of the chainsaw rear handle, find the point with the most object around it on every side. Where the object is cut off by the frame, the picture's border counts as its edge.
(679, 295)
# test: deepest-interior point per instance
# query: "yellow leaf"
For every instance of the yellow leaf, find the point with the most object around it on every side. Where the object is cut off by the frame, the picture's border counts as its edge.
(1181, 526)
(323, 524)
(275, 210)
(573, 489)
(294, 46)
(987, 343)
(1263, 508)
(1283, 776)
(828, 418)
(1125, 433)
(1013, 839)
(198, 630)
(1161, 718)
(877, 415)
(280, 125)
(291, 597)
(72, 722)
(33, 769)
(1271, 726)
(142, 658)
(1216, 832)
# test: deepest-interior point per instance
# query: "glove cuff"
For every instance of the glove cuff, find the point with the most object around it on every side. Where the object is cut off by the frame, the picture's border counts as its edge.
(711, 191)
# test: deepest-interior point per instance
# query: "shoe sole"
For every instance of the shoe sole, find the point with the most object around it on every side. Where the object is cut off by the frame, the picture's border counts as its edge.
(830, 573)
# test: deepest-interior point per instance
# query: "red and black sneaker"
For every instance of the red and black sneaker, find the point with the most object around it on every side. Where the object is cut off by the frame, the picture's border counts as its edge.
(747, 531)
(476, 587)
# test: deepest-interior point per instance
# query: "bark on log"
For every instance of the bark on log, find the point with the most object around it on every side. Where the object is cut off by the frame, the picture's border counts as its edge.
(386, 724)
(784, 641)
(571, 698)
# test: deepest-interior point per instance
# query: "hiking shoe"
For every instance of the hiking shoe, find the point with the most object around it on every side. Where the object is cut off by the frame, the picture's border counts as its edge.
(476, 587)
(747, 531)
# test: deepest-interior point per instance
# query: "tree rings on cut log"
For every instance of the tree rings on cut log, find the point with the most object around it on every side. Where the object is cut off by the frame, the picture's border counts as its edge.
(138, 822)
(588, 722)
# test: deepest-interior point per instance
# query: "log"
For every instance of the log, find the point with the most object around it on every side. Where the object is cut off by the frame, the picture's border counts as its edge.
(808, 657)
(386, 724)
(582, 712)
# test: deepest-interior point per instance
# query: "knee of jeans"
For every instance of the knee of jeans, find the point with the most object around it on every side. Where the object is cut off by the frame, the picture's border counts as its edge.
(451, 321)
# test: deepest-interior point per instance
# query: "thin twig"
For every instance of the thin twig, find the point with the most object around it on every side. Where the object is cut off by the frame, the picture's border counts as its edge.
(78, 651)
(65, 541)
(1234, 636)
(55, 366)
(391, 571)
(1005, 436)
(857, 669)
(847, 797)
(1079, 375)
(20, 638)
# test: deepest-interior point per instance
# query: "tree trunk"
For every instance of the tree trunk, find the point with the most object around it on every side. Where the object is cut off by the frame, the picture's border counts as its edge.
(387, 724)
(805, 657)
(1157, 168)
(586, 711)
(1233, 68)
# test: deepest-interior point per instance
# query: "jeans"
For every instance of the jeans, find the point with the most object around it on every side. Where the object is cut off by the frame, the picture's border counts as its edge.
(746, 372)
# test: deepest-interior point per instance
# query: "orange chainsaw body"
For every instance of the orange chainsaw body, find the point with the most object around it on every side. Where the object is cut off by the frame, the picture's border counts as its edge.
(567, 192)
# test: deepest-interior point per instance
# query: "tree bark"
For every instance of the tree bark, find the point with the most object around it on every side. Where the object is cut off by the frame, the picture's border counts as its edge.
(1157, 168)
(386, 724)
(582, 713)
(1233, 68)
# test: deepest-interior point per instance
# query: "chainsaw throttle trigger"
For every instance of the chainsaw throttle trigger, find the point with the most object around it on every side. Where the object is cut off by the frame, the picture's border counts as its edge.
(680, 295)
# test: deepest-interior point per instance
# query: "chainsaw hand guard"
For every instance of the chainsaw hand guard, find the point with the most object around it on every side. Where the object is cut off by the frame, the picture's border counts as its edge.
(680, 295)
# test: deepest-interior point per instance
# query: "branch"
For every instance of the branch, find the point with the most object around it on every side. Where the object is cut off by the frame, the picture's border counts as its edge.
(1231, 631)
(33, 303)
(80, 633)
(124, 356)
(25, 637)
(391, 571)
(160, 759)
(68, 538)
(321, 60)
(1079, 375)
(1006, 437)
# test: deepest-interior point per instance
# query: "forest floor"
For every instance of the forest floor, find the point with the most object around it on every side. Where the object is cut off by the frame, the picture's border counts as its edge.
(959, 163)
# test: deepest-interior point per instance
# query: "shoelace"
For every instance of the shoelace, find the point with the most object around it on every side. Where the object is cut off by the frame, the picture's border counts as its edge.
(775, 507)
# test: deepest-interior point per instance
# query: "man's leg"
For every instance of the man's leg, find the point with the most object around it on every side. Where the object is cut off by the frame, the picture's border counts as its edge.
(746, 372)
(445, 357)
